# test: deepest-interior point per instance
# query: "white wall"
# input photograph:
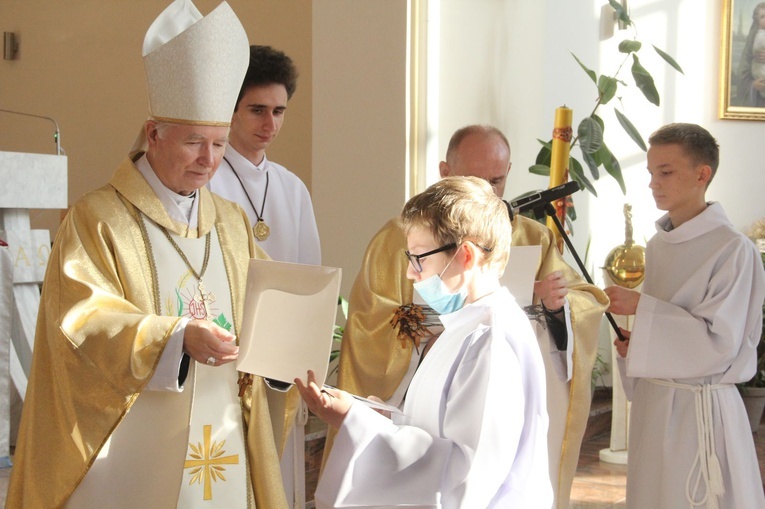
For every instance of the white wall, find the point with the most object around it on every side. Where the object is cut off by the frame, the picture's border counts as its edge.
(359, 124)
(490, 74)
(690, 97)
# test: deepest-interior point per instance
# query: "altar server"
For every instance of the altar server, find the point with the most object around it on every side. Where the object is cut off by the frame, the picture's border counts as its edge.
(275, 199)
(474, 426)
(697, 325)
(375, 361)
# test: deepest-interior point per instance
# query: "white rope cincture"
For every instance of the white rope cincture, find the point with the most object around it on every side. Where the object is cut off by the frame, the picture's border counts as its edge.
(709, 471)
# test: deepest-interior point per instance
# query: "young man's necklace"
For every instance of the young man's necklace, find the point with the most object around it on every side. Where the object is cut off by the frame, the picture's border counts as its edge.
(260, 229)
(200, 303)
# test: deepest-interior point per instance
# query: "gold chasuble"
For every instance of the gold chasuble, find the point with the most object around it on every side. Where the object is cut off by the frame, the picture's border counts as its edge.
(373, 361)
(88, 423)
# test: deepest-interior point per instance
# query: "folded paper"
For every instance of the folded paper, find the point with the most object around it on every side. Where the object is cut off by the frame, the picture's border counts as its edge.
(289, 317)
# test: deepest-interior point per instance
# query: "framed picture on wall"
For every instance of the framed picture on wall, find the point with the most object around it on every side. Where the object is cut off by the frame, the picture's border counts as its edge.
(742, 69)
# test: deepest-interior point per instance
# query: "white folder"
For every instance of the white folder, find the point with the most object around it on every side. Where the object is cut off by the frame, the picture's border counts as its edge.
(289, 317)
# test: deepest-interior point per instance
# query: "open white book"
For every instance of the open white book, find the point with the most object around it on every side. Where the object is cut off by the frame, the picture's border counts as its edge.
(289, 318)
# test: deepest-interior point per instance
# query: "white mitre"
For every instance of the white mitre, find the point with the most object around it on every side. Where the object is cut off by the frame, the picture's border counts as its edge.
(195, 65)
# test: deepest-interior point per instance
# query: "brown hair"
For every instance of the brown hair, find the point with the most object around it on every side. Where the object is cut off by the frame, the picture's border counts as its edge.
(695, 141)
(459, 209)
(269, 66)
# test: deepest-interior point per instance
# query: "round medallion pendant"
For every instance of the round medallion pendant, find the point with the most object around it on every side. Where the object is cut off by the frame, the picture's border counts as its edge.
(261, 230)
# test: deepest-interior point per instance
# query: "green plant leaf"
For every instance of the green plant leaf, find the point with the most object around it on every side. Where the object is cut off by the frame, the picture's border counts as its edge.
(540, 169)
(607, 88)
(590, 135)
(630, 129)
(612, 166)
(577, 173)
(547, 144)
(630, 46)
(668, 59)
(621, 13)
(592, 164)
(544, 155)
(599, 121)
(343, 303)
(644, 81)
(590, 72)
(575, 168)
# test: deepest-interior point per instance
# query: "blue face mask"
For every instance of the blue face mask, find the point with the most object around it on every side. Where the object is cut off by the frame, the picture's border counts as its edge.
(435, 293)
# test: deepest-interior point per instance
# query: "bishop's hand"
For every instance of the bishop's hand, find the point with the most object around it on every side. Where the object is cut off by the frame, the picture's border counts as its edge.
(209, 344)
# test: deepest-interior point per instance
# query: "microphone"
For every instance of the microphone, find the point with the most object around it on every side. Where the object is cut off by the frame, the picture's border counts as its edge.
(56, 134)
(541, 198)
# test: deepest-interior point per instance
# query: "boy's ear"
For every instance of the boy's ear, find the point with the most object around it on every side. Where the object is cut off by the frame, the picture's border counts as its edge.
(468, 254)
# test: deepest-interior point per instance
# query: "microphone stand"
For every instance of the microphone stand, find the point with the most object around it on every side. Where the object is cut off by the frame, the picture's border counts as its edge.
(56, 134)
(547, 209)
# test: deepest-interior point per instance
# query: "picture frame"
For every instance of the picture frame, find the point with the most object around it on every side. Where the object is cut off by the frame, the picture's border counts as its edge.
(742, 71)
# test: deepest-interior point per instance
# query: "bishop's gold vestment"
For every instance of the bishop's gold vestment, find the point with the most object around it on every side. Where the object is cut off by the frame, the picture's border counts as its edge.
(373, 361)
(98, 340)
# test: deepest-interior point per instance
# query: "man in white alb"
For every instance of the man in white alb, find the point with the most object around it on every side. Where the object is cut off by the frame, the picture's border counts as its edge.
(275, 199)
(695, 335)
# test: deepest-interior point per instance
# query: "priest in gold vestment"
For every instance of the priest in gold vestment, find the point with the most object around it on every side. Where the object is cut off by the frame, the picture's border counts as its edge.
(133, 399)
(374, 361)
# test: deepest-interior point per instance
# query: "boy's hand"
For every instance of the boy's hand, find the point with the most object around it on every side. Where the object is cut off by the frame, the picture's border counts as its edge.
(623, 301)
(623, 346)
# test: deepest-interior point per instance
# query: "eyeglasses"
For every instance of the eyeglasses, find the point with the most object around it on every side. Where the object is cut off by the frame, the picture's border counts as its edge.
(415, 259)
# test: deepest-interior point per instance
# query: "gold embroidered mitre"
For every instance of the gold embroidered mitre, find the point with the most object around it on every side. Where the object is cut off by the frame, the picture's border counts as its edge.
(195, 65)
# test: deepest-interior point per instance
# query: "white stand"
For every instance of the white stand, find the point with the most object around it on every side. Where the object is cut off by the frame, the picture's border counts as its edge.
(620, 411)
(6, 314)
(29, 181)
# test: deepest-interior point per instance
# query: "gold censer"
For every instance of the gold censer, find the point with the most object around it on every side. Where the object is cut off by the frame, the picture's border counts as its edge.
(625, 264)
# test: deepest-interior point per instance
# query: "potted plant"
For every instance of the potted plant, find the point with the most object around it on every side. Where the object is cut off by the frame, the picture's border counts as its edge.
(588, 135)
(753, 391)
(337, 334)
